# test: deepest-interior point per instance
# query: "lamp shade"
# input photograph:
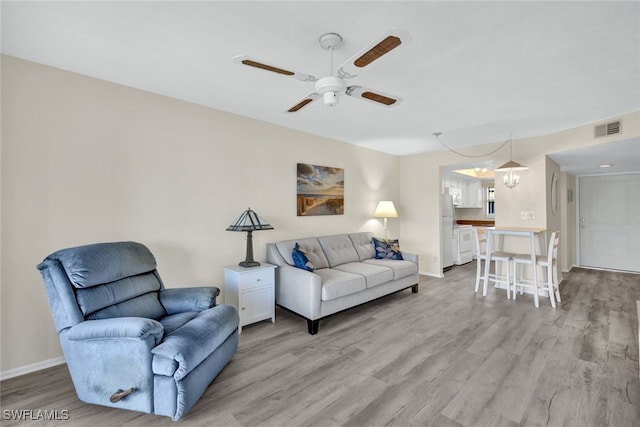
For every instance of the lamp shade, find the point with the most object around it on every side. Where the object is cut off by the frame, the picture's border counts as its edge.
(249, 221)
(511, 165)
(385, 209)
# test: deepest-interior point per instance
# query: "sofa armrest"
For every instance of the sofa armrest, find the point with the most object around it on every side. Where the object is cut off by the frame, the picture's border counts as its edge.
(118, 327)
(299, 291)
(411, 257)
(179, 300)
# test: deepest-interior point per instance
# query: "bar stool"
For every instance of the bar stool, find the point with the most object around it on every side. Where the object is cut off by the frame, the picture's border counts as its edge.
(550, 262)
(498, 257)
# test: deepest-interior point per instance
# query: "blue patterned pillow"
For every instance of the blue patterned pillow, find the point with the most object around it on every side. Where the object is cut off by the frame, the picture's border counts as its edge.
(387, 249)
(300, 259)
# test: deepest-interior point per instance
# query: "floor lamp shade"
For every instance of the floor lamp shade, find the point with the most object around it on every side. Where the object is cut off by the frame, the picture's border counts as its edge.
(249, 221)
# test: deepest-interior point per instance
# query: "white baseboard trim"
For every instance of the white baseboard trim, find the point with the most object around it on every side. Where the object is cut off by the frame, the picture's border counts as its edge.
(27, 369)
(638, 307)
(425, 273)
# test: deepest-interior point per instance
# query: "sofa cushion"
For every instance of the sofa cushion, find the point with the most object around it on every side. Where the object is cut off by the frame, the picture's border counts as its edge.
(311, 247)
(300, 258)
(336, 283)
(338, 249)
(374, 275)
(363, 242)
(387, 249)
(400, 268)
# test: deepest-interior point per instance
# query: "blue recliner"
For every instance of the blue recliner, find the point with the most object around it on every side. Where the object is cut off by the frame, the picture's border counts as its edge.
(129, 342)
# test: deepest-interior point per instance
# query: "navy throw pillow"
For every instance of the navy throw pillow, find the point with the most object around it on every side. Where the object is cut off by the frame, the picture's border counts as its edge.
(387, 249)
(300, 259)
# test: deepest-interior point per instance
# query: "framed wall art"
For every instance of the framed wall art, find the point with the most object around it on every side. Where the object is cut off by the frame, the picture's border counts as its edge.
(320, 190)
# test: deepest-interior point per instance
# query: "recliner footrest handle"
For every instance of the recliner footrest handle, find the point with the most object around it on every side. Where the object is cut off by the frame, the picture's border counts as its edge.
(121, 394)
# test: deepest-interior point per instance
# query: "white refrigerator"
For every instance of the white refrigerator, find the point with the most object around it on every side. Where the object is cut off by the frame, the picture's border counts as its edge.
(448, 223)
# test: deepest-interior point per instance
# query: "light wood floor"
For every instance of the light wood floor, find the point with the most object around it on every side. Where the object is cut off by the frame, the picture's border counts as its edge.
(443, 357)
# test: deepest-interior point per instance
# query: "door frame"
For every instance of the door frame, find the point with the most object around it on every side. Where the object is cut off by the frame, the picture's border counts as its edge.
(577, 230)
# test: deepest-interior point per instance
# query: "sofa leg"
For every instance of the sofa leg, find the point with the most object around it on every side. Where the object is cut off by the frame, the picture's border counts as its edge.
(312, 325)
(414, 288)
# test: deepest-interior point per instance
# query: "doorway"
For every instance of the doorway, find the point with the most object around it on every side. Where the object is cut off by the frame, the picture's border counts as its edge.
(609, 221)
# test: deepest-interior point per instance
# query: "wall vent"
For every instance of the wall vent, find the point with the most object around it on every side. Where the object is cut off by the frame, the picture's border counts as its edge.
(611, 128)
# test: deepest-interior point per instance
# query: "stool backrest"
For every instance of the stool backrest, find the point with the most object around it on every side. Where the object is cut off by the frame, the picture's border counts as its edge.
(552, 252)
(481, 240)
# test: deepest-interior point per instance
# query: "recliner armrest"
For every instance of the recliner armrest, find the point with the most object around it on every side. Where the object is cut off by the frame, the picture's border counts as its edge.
(186, 347)
(179, 300)
(117, 327)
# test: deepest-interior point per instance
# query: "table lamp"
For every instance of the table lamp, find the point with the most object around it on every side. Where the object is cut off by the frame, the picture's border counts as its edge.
(249, 221)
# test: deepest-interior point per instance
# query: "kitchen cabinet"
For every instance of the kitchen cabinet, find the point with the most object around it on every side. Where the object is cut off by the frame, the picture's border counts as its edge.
(465, 193)
(472, 195)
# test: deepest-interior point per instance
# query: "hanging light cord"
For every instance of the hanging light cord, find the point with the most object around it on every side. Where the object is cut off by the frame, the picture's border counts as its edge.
(437, 135)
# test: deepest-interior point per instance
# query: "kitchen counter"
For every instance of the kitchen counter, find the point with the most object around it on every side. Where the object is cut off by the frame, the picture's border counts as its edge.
(477, 222)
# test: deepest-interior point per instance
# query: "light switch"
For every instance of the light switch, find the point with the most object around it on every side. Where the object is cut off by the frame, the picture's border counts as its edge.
(527, 215)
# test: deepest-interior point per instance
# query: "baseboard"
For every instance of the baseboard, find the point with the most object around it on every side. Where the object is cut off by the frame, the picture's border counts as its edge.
(638, 307)
(425, 273)
(27, 369)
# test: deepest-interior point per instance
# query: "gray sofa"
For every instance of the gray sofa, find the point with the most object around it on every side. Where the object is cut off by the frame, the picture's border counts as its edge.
(346, 274)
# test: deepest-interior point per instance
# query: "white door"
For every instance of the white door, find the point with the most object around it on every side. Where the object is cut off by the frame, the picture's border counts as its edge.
(609, 221)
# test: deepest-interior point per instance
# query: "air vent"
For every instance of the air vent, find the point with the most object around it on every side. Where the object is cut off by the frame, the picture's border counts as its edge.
(607, 129)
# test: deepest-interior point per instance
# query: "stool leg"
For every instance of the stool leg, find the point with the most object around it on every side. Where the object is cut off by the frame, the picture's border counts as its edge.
(478, 272)
(556, 282)
(515, 279)
(508, 281)
(536, 300)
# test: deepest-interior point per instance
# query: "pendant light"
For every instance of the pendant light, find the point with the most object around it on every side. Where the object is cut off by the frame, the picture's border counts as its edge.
(511, 177)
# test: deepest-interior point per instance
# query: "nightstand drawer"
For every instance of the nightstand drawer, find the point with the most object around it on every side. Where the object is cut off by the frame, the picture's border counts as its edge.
(256, 278)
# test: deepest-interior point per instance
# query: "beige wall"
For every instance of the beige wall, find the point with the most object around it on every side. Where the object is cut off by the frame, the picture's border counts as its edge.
(85, 160)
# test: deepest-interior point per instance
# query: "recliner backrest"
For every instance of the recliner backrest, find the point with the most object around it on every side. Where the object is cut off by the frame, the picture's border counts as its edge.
(102, 280)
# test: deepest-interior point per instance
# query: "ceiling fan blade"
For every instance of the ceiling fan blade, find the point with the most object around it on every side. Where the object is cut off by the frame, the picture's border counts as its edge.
(392, 40)
(380, 98)
(303, 102)
(245, 60)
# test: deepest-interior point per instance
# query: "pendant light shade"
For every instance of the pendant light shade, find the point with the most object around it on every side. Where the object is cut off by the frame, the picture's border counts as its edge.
(511, 165)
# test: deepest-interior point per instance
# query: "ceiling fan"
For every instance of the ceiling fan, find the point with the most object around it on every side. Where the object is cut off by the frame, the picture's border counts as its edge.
(330, 87)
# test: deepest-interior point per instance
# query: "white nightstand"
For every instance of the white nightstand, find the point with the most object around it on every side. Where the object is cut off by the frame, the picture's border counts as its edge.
(251, 291)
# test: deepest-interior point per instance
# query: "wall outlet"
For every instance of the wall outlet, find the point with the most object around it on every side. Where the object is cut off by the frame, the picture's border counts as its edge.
(527, 215)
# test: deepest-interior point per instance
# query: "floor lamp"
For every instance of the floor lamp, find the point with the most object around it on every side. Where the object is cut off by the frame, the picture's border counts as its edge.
(385, 209)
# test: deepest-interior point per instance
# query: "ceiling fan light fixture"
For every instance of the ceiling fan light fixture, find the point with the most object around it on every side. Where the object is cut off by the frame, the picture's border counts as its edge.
(329, 88)
(330, 98)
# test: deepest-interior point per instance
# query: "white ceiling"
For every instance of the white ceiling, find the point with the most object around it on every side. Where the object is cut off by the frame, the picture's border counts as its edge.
(476, 71)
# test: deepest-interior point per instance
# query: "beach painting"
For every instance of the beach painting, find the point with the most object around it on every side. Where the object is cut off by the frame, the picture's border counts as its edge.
(320, 190)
